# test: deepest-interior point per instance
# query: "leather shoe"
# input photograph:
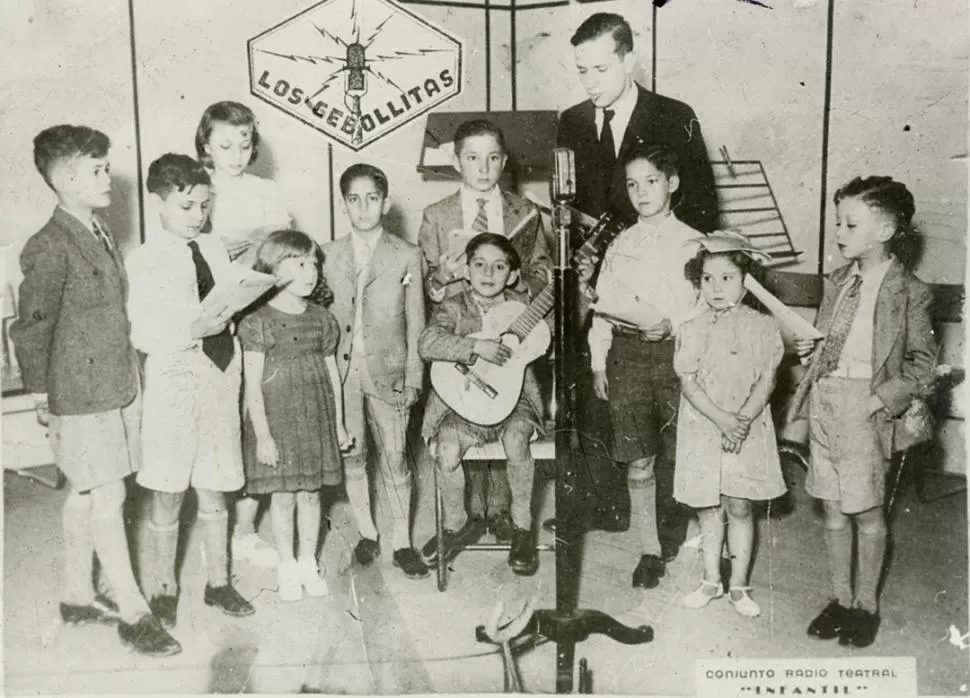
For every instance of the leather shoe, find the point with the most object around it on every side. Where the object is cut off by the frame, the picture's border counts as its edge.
(500, 526)
(454, 541)
(649, 571)
(101, 610)
(228, 600)
(366, 551)
(147, 636)
(860, 628)
(831, 622)
(164, 608)
(523, 556)
(409, 563)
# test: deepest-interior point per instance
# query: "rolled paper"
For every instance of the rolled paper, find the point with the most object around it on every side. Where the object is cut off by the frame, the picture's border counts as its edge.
(794, 322)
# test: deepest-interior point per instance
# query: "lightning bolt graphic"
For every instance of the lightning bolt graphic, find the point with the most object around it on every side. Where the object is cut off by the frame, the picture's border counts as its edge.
(397, 55)
(327, 35)
(326, 83)
(315, 60)
(355, 20)
(385, 79)
(377, 31)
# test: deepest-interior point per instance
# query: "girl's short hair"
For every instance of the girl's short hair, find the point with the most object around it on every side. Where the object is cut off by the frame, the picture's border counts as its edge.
(232, 113)
(495, 240)
(288, 244)
(694, 270)
(894, 200)
(660, 156)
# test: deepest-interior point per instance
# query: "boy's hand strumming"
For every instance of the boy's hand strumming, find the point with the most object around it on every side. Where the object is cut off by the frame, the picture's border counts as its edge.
(492, 351)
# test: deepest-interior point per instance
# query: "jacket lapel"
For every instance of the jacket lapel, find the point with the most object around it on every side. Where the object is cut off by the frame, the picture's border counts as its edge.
(635, 126)
(378, 260)
(343, 263)
(451, 215)
(836, 278)
(890, 315)
(86, 242)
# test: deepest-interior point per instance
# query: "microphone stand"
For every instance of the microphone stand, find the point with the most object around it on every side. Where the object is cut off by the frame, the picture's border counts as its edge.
(567, 625)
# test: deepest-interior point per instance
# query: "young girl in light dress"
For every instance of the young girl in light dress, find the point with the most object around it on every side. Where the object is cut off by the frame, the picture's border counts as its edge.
(245, 209)
(294, 429)
(727, 456)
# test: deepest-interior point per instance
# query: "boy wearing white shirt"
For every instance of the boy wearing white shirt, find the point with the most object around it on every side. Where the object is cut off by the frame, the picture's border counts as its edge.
(641, 297)
(190, 425)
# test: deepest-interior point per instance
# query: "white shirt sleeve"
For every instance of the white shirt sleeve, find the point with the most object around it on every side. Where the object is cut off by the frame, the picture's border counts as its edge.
(159, 309)
(600, 341)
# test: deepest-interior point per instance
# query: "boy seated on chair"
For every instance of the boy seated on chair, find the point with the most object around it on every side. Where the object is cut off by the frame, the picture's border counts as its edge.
(493, 271)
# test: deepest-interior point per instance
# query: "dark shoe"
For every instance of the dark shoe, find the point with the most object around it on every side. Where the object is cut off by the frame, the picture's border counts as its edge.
(101, 610)
(830, 623)
(228, 600)
(500, 526)
(649, 571)
(366, 551)
(608, 519)
(454, 541)
(148, 637)
(549, 525)
(860, 629)
(523, 556)
(409, 563)
(164, 607)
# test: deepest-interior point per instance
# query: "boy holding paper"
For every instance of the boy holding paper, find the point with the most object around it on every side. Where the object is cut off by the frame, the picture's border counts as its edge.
(190, 425)
(480, 206)
(640, 299)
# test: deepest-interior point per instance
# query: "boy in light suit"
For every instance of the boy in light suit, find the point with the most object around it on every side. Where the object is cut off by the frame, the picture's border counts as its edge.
(877, 354)
(479, 206)
(379, 304)
(72, 342)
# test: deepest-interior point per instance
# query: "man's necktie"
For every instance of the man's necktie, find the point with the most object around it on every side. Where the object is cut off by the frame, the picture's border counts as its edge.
(218, 347)
(102, 236)
(831, 349)
(606, 138)
(480, 224)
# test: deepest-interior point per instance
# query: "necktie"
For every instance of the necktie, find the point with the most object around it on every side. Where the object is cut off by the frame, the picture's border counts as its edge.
(217, 347)
(480, 224)
(831, 349)
(102, 236)
(606, 138)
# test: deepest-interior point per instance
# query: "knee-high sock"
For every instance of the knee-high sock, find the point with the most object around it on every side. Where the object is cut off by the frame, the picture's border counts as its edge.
(111, 545)
(643, 505)
(872, 551)
(400, 505)
(358, 492)
(499, 497)
(246, 510)
(838, 541)
(215, 537)
(163, 551)
(78, 549)
(477, 496)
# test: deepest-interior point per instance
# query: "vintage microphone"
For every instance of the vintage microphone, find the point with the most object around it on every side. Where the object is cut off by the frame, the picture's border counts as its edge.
(566, 625)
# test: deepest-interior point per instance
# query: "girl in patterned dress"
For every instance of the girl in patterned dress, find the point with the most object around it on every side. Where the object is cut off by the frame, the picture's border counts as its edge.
(727, 457)
(294, 429)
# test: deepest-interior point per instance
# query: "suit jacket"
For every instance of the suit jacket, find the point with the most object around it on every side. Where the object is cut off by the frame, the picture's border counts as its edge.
(71, 335)
(392, 312)
(656, 120)
(903, 346)
(442, 217)
(446, 339)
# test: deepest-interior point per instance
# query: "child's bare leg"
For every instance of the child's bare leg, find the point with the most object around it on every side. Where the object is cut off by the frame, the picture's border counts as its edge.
(78, 549)
(111, 544)
(245, 508)
(282, 506)
(163, 528)
(308, 523)
(214, 518)
(740, 535)
(712, 539)
(246, 543)
(838, 542)
(872, 550)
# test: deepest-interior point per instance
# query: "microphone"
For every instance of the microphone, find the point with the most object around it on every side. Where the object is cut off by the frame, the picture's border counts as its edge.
(563, 175)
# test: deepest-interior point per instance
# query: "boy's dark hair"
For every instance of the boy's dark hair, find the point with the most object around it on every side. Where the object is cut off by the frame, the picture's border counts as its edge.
(895, 200)
(477, 127)
(65, 142)
(286, 244)
(663, 158)
(362, 169)
(602, 23)
(694, 270)
(228, 112)
(175, 172)
(495, 240)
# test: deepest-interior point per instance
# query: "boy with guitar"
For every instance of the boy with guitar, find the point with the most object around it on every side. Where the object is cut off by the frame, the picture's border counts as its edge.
(469, 374)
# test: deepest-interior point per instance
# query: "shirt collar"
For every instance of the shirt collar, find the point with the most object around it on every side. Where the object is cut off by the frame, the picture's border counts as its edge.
(623, 107)
(874, 276)
(470, 197)
(369, 240)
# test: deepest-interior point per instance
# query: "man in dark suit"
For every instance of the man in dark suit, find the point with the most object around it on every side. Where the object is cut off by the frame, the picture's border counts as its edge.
(619, 116)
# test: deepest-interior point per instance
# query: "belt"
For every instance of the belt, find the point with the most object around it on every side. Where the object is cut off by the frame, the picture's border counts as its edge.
(635, 333)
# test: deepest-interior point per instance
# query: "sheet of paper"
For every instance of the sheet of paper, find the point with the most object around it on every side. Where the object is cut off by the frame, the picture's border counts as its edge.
(238, 291)
(794, 322)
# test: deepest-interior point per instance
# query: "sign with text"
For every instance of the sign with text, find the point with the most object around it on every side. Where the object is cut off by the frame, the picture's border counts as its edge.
(355, 70)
